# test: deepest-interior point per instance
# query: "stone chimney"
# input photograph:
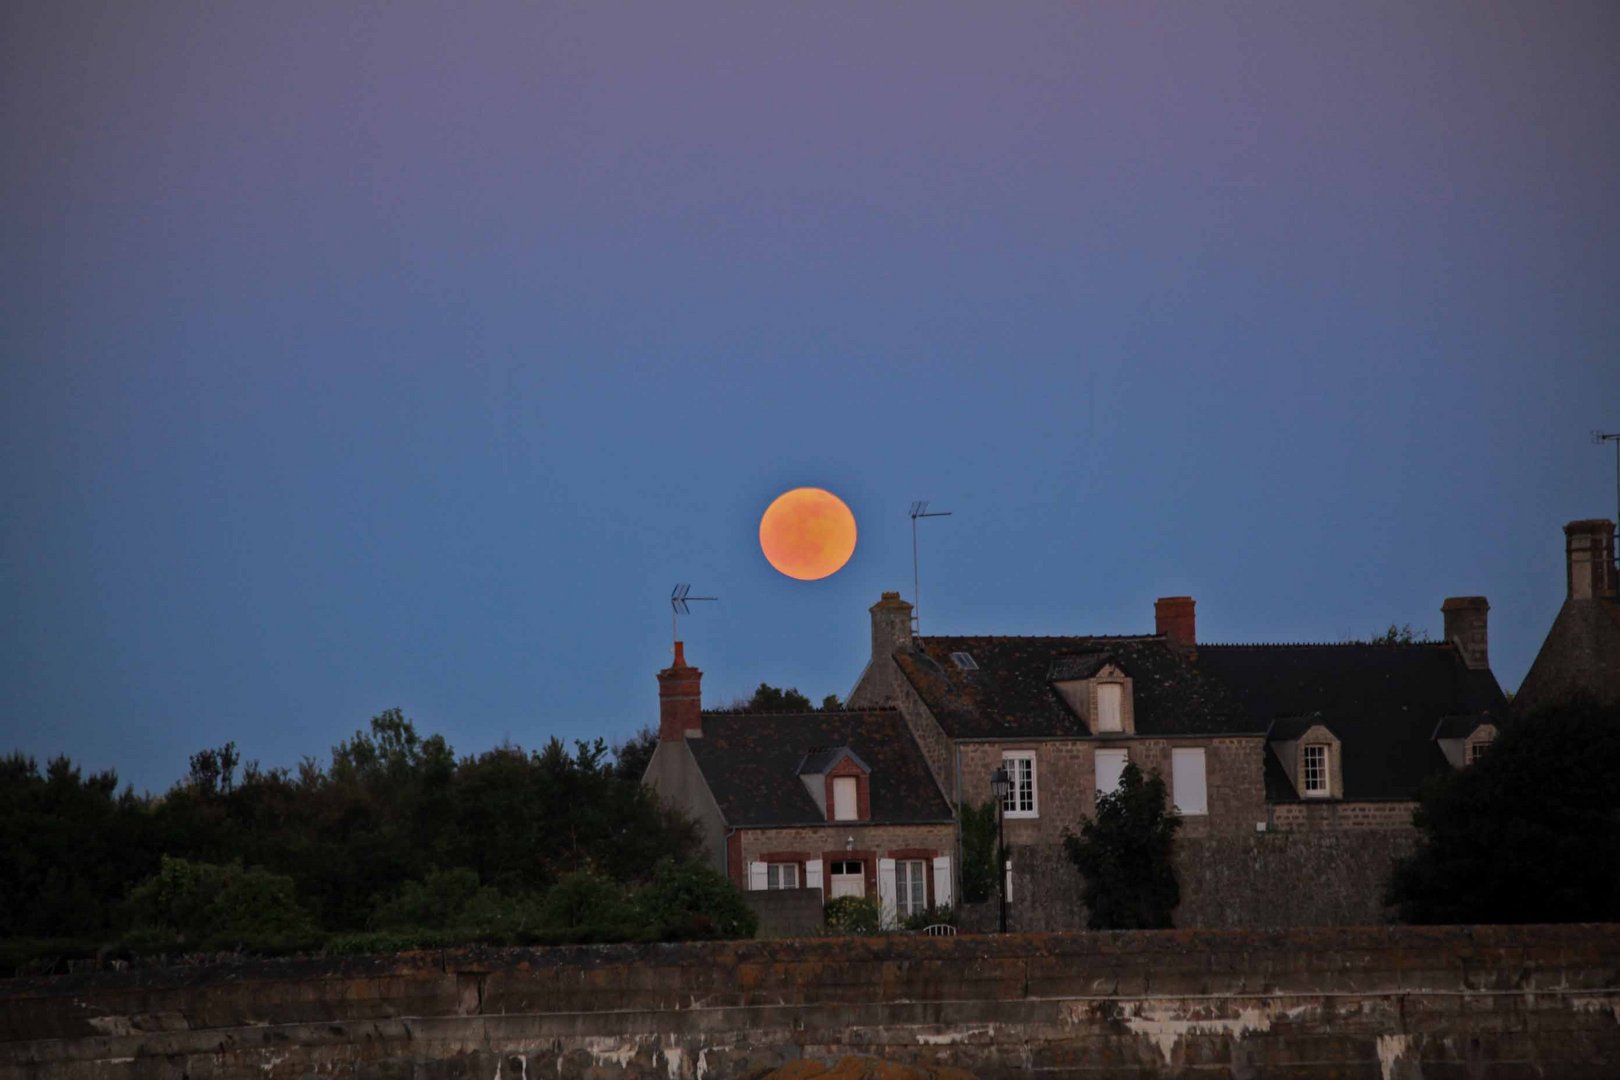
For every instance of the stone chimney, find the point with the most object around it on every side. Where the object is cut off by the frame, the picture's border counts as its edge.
(680, 700)
(1465, 629)
(891, 625)
(1173, 617)
(1589, 547)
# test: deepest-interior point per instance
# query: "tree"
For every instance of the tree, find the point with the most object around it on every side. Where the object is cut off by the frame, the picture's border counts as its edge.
(1400, 635)
(978, 852)
(1527, 833)
(693, 901)
(631, 757)
(1124, 855)
(768, 698)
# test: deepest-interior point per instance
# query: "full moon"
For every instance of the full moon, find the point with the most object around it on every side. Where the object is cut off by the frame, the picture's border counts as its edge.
(807, 533)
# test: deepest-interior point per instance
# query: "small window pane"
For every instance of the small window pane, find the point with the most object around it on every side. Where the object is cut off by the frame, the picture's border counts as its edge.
(1020, 798)
(911, 887)
(782, 876)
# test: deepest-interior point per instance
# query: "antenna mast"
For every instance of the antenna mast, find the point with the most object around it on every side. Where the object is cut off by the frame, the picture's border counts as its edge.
(919, 510)
(1600, 438)
(679, 596)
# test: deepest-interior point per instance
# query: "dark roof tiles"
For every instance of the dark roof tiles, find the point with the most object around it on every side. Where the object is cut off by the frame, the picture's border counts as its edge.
(751, 763)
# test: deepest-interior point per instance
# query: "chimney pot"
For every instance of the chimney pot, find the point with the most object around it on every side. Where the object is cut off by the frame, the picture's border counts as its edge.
(1173, 617)
(1466, 628)
(680, 700)
(1589, 551)
(891, 625)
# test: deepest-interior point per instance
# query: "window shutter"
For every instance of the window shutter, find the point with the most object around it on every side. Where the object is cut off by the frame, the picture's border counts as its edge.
(845, 800)
(1109, 696)
(812, 874)
(1109, 764)
(756, 876)
(942, 881)
(1187, 780)
(886, 892)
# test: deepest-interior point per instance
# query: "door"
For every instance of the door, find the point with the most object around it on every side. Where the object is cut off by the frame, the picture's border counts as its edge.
(846, 879)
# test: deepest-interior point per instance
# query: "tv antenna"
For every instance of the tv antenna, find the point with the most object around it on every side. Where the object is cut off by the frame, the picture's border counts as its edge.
(1600, 438)
(919, 510)
(679, 597)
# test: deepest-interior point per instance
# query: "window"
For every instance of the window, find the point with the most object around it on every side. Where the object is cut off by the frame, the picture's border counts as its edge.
(911, 887)
(1476, 750)
(1109, 764)
(844, 798)
(1109, 696)
(1187, 781)
(782, 875)
(964, 661)
(1020, 800)
(1314, 771)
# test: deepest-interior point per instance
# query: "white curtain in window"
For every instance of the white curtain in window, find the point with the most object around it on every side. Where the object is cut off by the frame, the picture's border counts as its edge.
(886, 892)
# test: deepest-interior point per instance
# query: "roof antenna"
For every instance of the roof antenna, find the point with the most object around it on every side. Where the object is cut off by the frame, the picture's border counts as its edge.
(1600, 438)
(918, 510)
(678, 597)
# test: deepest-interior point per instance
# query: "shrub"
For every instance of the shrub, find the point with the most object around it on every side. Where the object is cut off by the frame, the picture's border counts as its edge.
(853, 915)
(194, 904)
(1125, 856)
(693, 901)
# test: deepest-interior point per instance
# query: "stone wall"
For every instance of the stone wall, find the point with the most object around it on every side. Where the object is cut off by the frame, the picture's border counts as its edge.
(786, 912)
(1259, 880)
(1363, 1002)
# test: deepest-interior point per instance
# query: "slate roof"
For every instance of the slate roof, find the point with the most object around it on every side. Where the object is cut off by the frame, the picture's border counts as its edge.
(1383, 702)
(751, 763)
(820, 759)
(1580, 658)
(1011, 694)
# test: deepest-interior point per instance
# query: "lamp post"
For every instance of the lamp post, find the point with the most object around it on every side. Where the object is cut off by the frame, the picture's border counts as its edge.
(1000, 784)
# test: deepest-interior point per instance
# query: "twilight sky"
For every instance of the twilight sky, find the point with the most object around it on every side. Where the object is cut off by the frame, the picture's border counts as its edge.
(362, 355)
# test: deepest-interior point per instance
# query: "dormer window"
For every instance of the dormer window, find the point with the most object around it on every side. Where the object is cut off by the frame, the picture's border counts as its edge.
(839, 782)
(1098, 690)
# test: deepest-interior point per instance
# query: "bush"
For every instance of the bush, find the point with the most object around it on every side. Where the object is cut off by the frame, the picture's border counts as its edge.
(583, 900)
(693, 901)
(932, 917)
(853, 915)
(194, 904)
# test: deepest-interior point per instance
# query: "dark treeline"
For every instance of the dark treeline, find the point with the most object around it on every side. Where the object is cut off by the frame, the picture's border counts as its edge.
(395, 836)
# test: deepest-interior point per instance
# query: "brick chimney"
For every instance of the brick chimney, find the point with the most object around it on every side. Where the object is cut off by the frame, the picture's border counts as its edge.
(1465, 628)
(891, 625)
(680, 700)
(1589, 547)
(1173, 617)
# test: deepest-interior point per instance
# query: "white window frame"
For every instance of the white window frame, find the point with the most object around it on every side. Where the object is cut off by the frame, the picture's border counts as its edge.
(1023, 789)
(1476, 750)
(1324, 771)
(1189, 781)
(911, 887)
(852, 785)
(781, 875)
(1111, 754)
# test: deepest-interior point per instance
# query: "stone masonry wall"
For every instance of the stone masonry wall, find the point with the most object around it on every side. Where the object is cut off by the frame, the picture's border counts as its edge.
(1351, 1003)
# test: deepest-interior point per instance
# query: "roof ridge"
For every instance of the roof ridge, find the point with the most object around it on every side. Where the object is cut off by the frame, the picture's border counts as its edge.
(802, 712)
(1322, 644)
(1040, 637)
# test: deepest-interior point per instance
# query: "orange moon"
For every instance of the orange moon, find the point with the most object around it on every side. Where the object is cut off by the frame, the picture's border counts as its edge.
(807, 533)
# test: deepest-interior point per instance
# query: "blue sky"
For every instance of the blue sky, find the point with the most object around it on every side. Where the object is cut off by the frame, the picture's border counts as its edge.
(359, 355)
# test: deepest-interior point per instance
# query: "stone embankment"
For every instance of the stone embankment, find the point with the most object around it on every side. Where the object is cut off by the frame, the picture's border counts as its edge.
(1356, 1002)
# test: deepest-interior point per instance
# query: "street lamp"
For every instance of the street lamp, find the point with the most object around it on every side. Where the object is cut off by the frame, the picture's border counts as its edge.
(1001, 784)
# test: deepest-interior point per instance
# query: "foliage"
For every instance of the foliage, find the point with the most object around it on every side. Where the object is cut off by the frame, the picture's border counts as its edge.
(393, 835)
(1399, 635)
(830, 703)
(1528, 833)
(693, 901)
(1124, 855)
(584, 900)
(933, 916)
(632, 756)
(210, 903)
(978, 852)
(853, 915)
(771, 699)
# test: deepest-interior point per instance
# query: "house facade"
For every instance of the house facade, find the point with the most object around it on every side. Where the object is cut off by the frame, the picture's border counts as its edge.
(838, 801)
(1295, 768)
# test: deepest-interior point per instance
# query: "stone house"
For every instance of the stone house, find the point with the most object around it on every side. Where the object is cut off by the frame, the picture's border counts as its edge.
(841, 801)
(1295, 767)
